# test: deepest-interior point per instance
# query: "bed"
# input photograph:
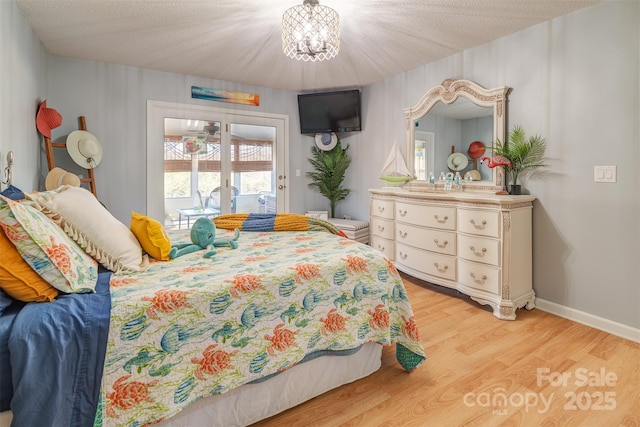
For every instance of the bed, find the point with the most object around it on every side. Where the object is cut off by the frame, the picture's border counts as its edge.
(225, 340)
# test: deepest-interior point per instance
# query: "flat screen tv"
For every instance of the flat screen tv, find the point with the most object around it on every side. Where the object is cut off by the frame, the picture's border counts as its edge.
(327, 112)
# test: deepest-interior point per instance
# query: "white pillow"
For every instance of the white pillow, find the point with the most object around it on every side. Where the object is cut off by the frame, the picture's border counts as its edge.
(78, 212)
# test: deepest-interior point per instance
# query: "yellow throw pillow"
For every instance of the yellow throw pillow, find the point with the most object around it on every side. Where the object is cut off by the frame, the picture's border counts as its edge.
(152, 236)
(18, 279)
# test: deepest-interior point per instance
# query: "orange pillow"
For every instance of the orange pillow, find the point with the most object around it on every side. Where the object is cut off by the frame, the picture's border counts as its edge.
(18, 279)
(152, 236)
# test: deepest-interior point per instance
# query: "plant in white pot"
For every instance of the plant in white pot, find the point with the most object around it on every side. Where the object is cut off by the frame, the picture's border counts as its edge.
(523, 153)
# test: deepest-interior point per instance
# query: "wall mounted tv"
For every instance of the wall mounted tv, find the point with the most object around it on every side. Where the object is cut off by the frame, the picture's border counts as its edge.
(326, 112)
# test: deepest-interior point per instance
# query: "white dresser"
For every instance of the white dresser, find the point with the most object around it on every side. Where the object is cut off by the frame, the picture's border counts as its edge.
(477, 243)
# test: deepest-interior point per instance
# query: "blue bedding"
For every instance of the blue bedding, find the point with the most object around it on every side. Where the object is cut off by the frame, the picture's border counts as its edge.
(51, 357)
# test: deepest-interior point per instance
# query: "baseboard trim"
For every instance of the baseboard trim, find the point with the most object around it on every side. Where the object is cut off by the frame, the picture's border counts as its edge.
(614, 328)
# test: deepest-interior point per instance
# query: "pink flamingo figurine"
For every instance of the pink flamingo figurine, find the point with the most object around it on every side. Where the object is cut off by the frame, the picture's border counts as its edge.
(497, 161)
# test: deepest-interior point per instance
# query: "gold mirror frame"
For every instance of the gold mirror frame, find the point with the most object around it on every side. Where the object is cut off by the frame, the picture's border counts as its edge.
(448, 92)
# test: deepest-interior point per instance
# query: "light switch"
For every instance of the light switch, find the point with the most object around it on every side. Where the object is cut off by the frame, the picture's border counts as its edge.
(604, 174)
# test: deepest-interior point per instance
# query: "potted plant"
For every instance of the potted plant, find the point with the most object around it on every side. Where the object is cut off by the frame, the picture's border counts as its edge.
(523, 154)
(329, 168)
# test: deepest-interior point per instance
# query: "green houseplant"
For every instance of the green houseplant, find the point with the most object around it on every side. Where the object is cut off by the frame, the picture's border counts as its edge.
(329, 168)
(524, 153)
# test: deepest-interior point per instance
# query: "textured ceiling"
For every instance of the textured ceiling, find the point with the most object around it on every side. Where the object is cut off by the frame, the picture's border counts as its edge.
(240, 40)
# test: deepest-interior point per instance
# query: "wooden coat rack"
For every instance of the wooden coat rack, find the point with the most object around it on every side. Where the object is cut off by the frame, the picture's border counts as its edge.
(50, 145)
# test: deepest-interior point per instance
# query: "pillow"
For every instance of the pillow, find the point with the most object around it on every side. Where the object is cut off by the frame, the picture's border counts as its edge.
(45, 247)
(151, 235)
(18, 279)
(78, 212)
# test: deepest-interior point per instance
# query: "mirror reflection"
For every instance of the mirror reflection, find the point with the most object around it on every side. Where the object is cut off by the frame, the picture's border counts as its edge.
(460, 127)
(450, 128)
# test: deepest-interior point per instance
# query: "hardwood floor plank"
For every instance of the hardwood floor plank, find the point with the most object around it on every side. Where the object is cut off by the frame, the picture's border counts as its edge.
(480, 371)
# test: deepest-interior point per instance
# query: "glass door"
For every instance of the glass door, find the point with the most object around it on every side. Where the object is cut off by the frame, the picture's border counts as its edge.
(192, 170)
(205, 161)
(253, 167)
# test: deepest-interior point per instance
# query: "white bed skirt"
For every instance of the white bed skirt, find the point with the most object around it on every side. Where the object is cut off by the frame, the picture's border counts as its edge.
(254, 402)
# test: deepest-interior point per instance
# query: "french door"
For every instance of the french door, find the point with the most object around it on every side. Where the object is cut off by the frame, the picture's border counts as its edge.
(212, 161)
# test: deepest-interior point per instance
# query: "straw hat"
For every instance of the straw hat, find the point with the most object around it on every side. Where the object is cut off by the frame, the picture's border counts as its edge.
(84, 148)
(47, 119)
(457, 161)
(326, 141)
(58, 176)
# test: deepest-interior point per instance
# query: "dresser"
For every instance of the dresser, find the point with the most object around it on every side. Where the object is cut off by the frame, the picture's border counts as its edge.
(477, 243)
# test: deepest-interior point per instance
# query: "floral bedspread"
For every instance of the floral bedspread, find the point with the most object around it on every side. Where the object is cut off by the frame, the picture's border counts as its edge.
(194, 326)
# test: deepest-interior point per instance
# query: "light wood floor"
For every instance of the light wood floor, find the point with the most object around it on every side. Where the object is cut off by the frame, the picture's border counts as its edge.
(475, 361)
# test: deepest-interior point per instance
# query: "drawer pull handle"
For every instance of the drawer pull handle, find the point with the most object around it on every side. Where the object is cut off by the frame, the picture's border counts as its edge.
(380, 209)
(380, 228)
(381, 248)
(480, 280)
(441, 269)
(476, 253)
(441, 245)
(479, 226)
(403, 256)
(441, 221)
(402, 234)
(402, 212)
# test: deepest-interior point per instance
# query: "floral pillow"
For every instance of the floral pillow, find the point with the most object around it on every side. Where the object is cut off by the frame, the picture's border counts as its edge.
(47, 249)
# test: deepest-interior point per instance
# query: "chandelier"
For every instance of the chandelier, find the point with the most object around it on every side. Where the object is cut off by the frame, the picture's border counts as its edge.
(310, 32)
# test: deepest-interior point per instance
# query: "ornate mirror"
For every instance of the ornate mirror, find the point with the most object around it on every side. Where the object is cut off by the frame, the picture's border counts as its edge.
(448, 130)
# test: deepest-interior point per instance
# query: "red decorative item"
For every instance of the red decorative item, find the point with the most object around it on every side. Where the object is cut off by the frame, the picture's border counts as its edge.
(476, 149)
(47, 119)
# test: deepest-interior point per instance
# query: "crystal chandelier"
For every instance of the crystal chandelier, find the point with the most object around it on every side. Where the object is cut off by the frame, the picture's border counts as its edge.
(310, 32)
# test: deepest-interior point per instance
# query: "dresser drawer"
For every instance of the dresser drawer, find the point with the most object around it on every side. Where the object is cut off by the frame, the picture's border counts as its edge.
(426, 262)
(382, 208)
(425, 215)
(381, 227)
(479, 276)
(481, 223)
(387, 247)
(426, 238)
(480, 249)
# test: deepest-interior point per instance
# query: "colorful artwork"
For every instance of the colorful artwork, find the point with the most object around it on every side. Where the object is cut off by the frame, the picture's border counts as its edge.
(225, 96)
(195, 144)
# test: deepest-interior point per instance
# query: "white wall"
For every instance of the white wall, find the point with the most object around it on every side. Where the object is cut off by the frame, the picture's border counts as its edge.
(575, 81)
(23, 78)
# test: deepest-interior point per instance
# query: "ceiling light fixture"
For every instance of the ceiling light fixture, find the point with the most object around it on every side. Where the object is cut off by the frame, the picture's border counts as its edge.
(310, 32)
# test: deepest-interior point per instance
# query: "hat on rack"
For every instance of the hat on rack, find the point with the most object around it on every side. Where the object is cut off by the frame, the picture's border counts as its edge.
(47, 119)
(84, 148)
(476, 149)
(457, 161)
(326, 141)
(58, 176)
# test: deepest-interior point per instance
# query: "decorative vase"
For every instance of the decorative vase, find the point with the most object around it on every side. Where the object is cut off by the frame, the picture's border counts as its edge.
(515, 190)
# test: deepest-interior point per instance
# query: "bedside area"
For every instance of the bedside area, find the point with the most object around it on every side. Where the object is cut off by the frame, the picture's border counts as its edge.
(354, 229)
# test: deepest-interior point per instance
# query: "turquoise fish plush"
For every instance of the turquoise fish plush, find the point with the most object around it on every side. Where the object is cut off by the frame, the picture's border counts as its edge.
(203, 236)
